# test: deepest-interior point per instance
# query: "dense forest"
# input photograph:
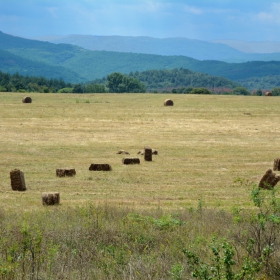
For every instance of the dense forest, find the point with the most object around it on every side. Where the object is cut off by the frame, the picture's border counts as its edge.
(166, 80)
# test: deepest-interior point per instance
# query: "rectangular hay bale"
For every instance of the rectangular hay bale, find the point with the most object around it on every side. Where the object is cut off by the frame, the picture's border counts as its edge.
(65, 172)
(51, 198)
(148, 154)
(100, 167)
(131, 161)
(17, 180)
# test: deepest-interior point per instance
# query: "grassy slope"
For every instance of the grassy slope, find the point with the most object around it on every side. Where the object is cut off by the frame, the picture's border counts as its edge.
(204, 144)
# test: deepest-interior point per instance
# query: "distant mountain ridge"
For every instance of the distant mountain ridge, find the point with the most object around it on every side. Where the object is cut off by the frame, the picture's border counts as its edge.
(252, 47)
(75, 64)
(228, 51)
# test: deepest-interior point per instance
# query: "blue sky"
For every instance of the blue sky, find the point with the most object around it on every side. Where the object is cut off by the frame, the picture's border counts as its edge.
(247, 20)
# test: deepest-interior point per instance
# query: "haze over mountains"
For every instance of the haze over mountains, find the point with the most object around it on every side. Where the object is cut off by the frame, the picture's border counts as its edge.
(223, 50)
(77, 64)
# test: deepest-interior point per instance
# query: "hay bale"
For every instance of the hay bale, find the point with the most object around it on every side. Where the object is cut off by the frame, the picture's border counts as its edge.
(269, 180)
(154, 152)
(131, 161)
(27, 99)
(148, 154)
(50, 198)
(122, 152)
(168, 102)
(141, 152)
(17, 180)
(65, 172)
(276, 166)
(100, 167)
(268, 93)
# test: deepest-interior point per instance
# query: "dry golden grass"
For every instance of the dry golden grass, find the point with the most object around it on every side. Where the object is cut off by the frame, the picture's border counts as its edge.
(204, 142)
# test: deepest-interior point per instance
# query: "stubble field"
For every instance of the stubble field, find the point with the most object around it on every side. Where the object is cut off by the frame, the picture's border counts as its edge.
(210, 148)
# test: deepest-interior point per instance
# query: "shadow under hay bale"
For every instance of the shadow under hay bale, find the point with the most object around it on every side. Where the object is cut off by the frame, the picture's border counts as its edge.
(123, 152)
(65, 172)
(131, 161)
(276, 166)
(50, 198)
(100, 167)
(17, 180)
(27, 99)
(269, 180)
(168, 102)
(148, 154)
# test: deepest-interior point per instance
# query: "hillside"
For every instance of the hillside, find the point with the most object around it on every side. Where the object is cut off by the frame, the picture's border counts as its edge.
(202, 50)
(252, 47)
(75, 64)
(11, 63)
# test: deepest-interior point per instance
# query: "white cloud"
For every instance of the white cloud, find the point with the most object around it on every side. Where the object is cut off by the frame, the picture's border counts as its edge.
(272, 15)
(193, 10)
(52, 11)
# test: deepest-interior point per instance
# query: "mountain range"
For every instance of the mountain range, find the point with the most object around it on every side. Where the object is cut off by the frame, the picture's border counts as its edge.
(223, 50)
(77, 64)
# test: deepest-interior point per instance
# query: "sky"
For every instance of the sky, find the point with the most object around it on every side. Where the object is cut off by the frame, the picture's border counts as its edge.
(245, 20)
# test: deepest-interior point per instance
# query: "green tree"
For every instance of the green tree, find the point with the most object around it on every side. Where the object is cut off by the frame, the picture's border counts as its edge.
(200, 91)
(95, 88)
(78, 88)
(117, 82)
(241, 91)
(114, 81)
(276, 91)
(258, 92)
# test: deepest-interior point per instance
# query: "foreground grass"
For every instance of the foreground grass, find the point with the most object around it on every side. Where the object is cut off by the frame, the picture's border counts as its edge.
(132, 222)
(107, 242)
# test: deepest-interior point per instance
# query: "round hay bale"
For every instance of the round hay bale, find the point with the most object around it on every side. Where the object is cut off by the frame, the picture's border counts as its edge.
(269, 180)
(168, 102)
(50, 198)
(276, 166)
(27, 99)
(268, 93)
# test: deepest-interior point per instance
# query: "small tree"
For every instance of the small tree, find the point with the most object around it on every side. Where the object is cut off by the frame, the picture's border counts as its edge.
(78, 88)
(200, 91)
(258, 92)
(117, 82)
(241, 91)
(276, 91)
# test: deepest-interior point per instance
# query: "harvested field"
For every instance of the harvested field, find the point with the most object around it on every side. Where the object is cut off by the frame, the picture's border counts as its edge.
(208, 145)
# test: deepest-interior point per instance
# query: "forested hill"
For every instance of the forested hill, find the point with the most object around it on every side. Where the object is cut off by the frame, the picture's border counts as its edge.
(74, 64)
(12, 63)
(166, 80)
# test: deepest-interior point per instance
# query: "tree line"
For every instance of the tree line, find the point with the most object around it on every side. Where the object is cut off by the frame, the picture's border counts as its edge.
(173, 81)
